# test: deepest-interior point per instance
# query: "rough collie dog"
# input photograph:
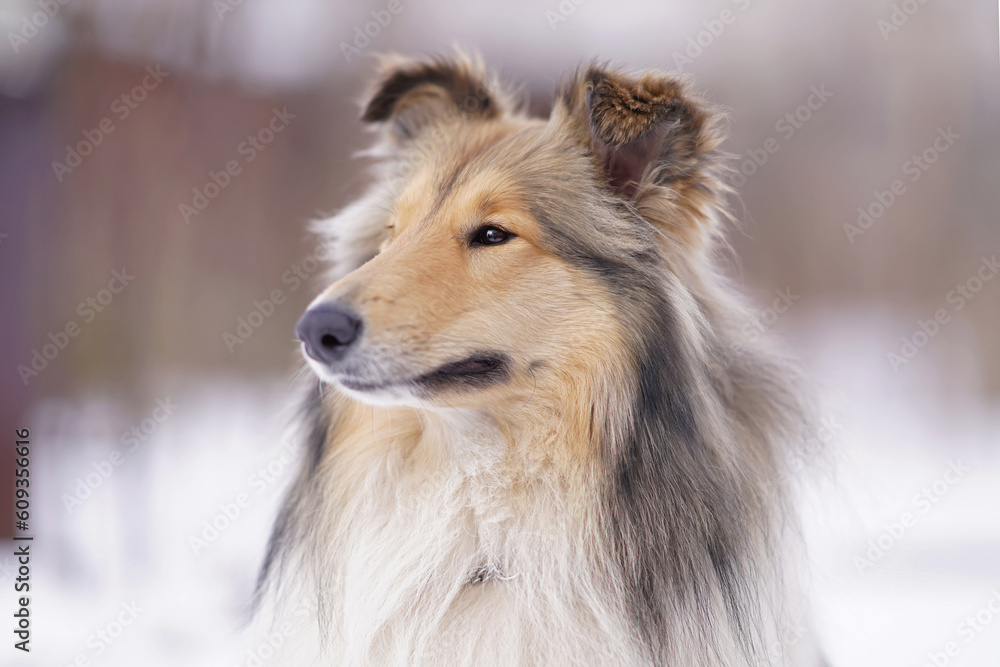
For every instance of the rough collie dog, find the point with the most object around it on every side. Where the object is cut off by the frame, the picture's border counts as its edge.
(539, 437)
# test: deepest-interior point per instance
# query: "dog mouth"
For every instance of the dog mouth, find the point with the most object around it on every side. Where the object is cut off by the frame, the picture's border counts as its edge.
(476, 371)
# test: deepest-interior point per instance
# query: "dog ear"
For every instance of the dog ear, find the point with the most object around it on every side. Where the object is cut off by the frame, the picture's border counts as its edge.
(411, 95)
(643, 130)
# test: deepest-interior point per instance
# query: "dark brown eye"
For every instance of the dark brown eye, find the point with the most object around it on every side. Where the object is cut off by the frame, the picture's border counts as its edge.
(490, 235)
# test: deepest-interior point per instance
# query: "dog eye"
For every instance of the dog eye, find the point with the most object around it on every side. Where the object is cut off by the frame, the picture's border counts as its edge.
(490, 235)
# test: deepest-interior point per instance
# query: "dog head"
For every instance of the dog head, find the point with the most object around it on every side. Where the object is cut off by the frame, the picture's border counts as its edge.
(500, 256)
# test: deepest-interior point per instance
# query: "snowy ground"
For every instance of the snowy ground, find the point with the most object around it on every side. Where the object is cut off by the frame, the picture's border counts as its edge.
(900, 578)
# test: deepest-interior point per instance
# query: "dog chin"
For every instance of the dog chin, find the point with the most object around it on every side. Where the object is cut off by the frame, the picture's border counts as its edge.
(384, 396)
(370, 393)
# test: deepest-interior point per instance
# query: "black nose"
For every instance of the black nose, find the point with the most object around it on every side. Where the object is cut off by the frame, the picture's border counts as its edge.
(327, 330)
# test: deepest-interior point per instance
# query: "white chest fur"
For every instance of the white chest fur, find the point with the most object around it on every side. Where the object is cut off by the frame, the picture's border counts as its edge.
(458, 560)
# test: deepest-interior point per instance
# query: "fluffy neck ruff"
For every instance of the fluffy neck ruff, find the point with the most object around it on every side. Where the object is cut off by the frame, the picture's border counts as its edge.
(409, 509)
(615, 522)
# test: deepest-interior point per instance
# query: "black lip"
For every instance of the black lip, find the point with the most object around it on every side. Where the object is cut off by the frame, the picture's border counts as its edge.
(470, 366)
(476, 371)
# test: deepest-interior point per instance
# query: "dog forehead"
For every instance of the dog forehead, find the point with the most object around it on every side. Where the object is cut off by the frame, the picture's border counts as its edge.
(467, 171)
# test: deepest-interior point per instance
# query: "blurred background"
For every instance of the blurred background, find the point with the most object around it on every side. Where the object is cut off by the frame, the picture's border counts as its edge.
(161, 160)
